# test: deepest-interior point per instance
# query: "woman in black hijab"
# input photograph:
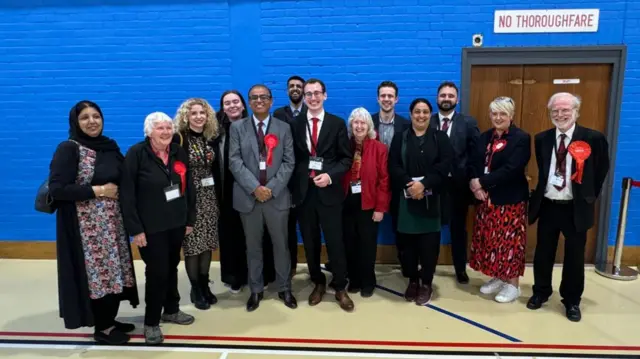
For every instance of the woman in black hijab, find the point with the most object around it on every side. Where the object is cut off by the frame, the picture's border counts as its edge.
(95, 266)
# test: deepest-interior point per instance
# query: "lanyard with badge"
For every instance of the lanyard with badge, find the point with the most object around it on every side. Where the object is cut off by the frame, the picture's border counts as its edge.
(173, 190)
(261, 147)
(356, 184)
(207, 181)
(558, 178)
(315, 162)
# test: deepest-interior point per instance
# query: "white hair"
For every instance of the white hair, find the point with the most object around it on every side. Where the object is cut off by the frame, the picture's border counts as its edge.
(503, 104)
(153, 119)
(363, 114)
(574, 99)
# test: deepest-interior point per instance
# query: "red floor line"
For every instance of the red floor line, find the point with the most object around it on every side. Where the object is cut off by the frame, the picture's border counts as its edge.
(347, 342)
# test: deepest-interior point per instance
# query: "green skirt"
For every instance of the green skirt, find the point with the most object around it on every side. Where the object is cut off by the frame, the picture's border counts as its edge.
(409, 223)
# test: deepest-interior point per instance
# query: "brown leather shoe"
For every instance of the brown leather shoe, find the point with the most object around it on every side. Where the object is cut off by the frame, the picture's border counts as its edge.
(345, 302)
(316, 295)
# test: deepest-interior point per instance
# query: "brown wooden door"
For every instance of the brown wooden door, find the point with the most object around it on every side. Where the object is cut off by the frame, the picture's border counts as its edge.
(531, 86)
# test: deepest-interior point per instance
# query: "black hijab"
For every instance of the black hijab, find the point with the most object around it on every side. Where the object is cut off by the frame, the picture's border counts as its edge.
(98, 143)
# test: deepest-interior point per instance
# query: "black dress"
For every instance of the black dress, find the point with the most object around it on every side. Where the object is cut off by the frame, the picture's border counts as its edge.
(93, 252)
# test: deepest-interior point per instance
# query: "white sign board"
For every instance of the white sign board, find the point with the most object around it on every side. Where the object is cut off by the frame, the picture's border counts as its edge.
(560, 20)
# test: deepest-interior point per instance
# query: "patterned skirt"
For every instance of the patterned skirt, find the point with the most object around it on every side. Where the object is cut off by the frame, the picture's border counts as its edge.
(499, 240)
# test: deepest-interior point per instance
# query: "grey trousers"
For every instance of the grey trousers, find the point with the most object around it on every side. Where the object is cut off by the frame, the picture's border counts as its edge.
(277, 225)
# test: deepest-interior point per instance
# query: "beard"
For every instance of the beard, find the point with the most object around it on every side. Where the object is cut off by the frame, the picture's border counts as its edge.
(446, 105)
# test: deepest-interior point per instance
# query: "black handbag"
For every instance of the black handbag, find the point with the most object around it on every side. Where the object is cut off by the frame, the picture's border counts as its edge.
(44, 201)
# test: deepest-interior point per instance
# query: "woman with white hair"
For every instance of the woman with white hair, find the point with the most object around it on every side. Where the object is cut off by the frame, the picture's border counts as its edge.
(500, 186)
(366, 188)
(158, 203)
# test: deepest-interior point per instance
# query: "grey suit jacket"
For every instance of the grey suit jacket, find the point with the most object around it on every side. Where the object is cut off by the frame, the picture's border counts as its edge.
(244, 163)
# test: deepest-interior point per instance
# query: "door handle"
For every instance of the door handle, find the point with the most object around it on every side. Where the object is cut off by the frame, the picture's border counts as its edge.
(516, 82)
(530, 82)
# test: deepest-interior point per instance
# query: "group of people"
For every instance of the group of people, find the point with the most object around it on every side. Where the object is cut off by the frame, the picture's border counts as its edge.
(243, 181)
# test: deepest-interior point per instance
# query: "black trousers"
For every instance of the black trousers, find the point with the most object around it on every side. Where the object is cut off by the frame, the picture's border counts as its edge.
(105, 310)
(161, 256)
(554, 219)
(293, 237)
(313, 215)
(422, 249)
(361, 242)
(458, 207)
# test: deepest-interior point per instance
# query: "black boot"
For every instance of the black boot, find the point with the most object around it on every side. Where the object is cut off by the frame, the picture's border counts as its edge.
(206, 291)
(197, 297)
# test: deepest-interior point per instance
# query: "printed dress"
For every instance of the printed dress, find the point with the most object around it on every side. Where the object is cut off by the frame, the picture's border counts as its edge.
(204, 236)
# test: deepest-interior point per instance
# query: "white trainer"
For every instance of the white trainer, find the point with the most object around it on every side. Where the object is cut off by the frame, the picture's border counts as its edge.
(509, 293)
(492, 286)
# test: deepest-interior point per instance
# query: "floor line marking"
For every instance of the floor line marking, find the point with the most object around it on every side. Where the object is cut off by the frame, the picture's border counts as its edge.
(224, 355)
(451, 314)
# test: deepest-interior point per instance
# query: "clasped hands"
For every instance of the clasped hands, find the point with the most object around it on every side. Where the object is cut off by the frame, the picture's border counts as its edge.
(108, 190)
(415, 189)
(477, 190)
(262, 193)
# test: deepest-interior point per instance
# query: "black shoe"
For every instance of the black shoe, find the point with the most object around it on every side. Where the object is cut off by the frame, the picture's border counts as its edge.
(288, 298)
(197, 297)
(462, 277)
(124, 327)
(573, 313)
(206, 291)
(536, 301)
(115, 337)
(254, 301)
(366, 292)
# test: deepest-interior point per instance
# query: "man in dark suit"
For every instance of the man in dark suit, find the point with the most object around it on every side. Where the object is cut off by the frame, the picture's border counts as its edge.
(260, 192)
(387, 123)
(564, 200)
(464, 133)
(323, 156)
(288, 113)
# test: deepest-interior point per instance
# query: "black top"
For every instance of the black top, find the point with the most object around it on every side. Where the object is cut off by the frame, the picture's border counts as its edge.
(142, 191)
(506, 181)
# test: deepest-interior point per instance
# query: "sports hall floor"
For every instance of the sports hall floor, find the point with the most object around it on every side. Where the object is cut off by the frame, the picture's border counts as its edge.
(458, 323)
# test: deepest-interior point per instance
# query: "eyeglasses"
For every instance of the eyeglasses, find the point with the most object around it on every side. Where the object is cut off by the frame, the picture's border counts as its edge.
(311, 94)
(259, 97)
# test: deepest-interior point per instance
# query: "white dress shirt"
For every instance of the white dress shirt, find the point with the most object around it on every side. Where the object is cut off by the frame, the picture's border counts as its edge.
(551, 192)
(320, 117)
(450, 117)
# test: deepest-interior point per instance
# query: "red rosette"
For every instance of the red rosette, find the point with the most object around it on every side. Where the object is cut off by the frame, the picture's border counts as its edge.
(579, 151)
(181, 169)
(270, 141)
(499, 145)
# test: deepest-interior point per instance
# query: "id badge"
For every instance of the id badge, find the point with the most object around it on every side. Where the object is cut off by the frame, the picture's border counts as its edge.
(315, 163)
(486, 170)
(557, 180)
(263, 165)
(356, 187)
(206, 182)
(172, 192)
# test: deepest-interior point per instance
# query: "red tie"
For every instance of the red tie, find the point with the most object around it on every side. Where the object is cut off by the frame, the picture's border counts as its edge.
(561, 161)
(445, 125)
(314, 141)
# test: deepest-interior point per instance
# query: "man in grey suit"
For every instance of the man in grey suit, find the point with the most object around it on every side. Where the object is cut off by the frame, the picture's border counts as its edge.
(261, 159)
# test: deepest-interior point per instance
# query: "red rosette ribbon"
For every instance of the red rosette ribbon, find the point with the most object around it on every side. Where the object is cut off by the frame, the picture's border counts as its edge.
(579, 151)
(270, 141)
(181, 169)
(499, 145)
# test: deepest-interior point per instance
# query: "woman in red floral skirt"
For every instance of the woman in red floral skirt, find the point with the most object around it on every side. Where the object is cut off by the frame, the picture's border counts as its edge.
(500, 185)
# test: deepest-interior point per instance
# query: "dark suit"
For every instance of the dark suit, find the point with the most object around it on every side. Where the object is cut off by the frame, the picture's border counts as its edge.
(322, 207)
(284, 113)
(573, 217)
(399, 124)
(464, 138)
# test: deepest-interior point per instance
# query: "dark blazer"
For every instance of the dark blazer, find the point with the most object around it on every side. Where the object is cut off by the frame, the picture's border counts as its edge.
(596, 168)
(399, 122)
(333, 148)
(144, 178)
(439, 155)
(506, 181)
(285, 114)
(464, 139)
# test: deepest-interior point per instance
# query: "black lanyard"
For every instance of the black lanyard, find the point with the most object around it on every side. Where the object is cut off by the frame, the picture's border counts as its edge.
(313, 145)
(261, 146)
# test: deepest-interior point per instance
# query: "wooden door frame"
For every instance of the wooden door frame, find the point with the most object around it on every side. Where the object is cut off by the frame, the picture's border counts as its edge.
(615, 55)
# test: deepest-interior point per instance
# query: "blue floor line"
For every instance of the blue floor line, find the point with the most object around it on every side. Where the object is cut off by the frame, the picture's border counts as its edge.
(453, 315)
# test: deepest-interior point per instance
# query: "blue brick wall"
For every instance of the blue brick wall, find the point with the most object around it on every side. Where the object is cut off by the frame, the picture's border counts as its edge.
(134, 59)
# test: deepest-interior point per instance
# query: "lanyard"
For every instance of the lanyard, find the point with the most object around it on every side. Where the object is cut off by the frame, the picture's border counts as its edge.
(313, 144)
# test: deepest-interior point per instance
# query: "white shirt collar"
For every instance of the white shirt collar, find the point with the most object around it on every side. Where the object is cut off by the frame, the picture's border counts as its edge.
(569, 132)
(320, 117)
(450, 117)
